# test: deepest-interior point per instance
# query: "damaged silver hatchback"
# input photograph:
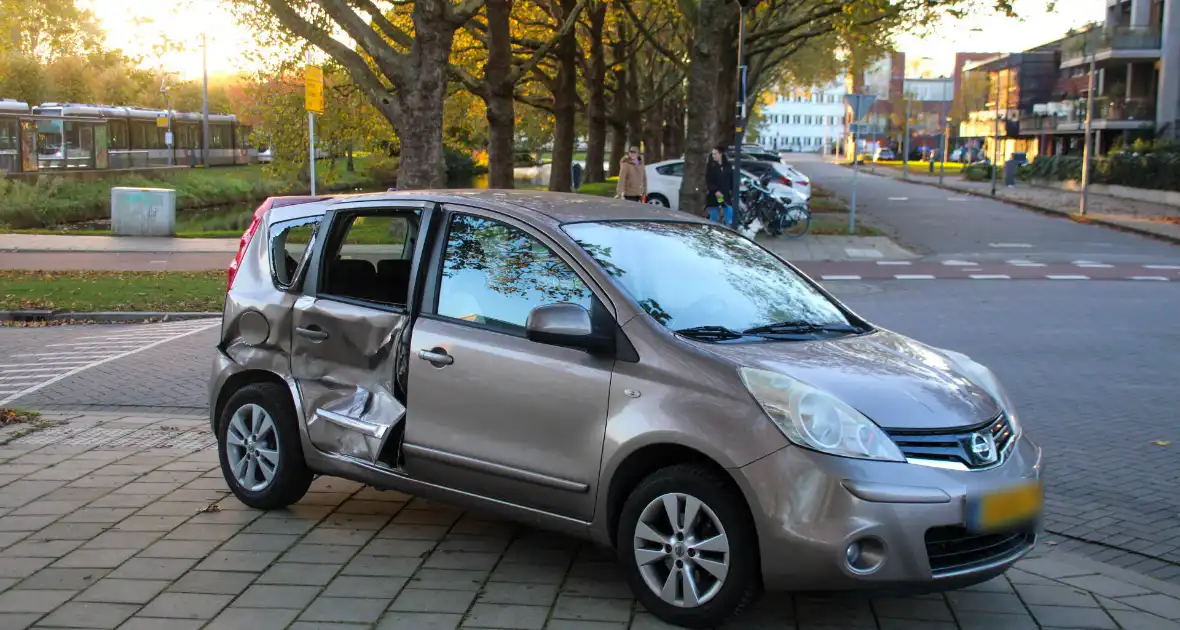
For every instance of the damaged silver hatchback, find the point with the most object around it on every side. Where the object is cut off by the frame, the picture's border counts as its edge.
(619, 372)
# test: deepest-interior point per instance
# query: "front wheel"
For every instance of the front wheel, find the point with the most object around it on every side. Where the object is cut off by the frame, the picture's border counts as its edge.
(259, 448)
(657, 200)
(689, 547)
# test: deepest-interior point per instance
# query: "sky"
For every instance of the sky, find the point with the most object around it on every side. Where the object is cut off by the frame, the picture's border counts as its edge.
(137, 25)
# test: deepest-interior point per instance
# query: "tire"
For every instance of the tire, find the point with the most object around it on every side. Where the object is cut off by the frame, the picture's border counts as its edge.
(658, 200)
(719, 600)
(277, 439)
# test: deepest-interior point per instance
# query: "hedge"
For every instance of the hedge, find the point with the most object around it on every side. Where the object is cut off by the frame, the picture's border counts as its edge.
(1157, 170)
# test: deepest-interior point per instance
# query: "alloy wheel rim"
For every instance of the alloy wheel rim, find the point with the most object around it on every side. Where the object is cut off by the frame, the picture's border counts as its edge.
(252, 447)
(681, 550)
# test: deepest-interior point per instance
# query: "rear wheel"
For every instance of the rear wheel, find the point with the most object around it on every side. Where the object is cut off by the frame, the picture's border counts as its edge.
(658, 200)
(259, 447)
(689, 547)
(795, 221)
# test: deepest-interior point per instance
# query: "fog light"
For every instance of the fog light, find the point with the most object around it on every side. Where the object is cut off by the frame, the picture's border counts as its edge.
(864, 555)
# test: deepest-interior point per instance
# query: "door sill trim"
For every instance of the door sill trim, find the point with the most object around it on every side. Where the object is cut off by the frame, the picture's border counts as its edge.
(352, 424)
(500, 470)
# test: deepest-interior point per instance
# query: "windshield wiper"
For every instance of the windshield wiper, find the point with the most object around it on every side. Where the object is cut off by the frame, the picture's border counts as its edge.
(788, 328)
(712, 332)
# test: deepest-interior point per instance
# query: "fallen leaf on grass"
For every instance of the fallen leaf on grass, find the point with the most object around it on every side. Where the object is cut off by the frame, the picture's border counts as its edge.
(16, 416)
(1162, 442)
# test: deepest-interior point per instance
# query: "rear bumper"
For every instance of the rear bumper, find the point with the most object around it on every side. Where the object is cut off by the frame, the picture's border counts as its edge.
(810, 507)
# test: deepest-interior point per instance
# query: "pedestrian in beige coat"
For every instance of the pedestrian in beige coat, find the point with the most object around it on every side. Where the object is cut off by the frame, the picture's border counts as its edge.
(632, 177)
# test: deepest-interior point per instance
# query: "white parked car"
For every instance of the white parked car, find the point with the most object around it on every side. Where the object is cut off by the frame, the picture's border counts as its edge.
(663, 185)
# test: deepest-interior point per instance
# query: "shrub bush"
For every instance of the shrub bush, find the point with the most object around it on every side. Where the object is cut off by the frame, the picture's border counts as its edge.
(383, 171)
(461, 167)
(1158, 170)
(977, 172)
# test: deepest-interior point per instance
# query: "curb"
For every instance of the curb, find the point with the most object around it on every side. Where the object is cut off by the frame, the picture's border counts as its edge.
(101, 317)
(1076, 218)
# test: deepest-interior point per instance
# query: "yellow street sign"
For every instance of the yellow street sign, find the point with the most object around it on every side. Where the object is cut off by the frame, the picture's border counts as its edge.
(313, 81)
(162, 122)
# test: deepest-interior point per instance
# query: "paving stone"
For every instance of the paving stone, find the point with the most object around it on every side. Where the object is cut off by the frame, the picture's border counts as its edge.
(647, 621)
(251, 561)
(213, 582)
(1161, 605)
(1045, 595)
(48, 508)
(63, 579)
(7, 539)
(89, 615)
(122, 501)
(272, 596)
(334, 536)
(200, 531)
(515, 593)
(356, 521)
(467, 560)
(18, 621)
(153, 623)
(295, 573)
(1052, 569)
(253, 619)
(105, 515)
(916, 624)
(114, 539)
(71, 531)
(153, 568)
(40, 549)
(30, 601)
(364, 587)
(970, 602)
(22, 567)
(448, 579)
(1135, 620)
(150, 523)
(1107, 586)
(25, 523)
(94, 558)
(506, 616)
(596, 587)
(421, 600)
(419, 621)
(319, 554)
(288, 526)
(913, 609)
(1071, 617)
(324, 625)
(398, 548)
(259, 542)
(114, 591)
(483, 544)
(179, 549)
(186, 606)
(592, 608)
(169, 508)
(345, 609)
(569, 624)
(529, 573)
(379, 566)
(413, 532)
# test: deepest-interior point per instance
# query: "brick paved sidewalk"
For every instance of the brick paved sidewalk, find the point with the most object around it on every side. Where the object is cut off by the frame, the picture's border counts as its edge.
(1140, 216)
(125, 522)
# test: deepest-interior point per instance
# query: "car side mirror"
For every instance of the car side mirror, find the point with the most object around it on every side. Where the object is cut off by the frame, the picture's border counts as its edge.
(568, 325)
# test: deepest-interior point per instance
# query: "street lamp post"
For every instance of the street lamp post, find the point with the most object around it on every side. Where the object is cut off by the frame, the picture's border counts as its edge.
(740, 114)
(1087, 149)
(204, 104)
(946, 135)
(996, 139)
(905, 164)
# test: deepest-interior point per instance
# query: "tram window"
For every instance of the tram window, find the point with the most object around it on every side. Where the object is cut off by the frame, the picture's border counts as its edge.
(117, 135)
(219, 137)
(9, 135)
(49, 137)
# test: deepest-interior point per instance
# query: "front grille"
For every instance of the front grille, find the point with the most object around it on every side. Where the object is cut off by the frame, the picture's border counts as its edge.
(956, 446)
(952, 549)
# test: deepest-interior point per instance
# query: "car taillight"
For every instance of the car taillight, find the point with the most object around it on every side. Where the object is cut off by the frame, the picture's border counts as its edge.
(232, 272)
(785, 181)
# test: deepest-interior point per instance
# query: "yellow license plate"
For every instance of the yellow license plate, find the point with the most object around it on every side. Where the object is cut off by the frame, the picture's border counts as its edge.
(1005, 508)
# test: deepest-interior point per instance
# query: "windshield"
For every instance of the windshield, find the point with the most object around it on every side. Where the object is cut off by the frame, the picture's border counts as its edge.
(688, 275)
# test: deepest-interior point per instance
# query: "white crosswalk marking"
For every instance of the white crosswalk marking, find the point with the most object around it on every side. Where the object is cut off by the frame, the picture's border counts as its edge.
(989, 276)
(1067, 277)
(37, 370)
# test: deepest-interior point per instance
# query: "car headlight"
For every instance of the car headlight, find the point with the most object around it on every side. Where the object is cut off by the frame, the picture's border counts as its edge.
(815, 419)
(982, 377)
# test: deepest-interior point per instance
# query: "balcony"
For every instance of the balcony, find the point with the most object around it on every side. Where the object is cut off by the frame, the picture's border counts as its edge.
(1109, 113)
(1122, 43)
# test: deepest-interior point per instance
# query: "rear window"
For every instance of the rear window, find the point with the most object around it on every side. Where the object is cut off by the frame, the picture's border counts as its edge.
(289, 243)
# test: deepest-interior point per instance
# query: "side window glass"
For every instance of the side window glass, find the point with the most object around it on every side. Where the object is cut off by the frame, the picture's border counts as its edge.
(288, 245)
(373, 261)
(495, 274)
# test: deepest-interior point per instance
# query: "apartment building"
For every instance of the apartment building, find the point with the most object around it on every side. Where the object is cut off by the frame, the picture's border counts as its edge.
(804, 120)
(1038, 97)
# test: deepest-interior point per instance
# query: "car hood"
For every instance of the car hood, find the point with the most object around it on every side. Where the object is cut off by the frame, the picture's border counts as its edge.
(895, 381)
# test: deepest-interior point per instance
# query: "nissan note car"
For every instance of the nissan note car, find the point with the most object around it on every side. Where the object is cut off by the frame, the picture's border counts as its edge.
(619, 372)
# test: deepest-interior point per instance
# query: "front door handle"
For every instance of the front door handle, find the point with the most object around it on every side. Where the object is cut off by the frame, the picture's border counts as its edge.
(437, 357)
(314, 333)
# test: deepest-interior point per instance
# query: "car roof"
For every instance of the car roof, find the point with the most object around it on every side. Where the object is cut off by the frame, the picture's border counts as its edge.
(537, 207)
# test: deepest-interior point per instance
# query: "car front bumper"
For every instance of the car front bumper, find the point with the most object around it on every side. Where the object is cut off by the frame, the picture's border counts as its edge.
(809, 507)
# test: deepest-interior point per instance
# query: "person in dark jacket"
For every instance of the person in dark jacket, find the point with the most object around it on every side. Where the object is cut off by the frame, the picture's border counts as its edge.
(719, 181)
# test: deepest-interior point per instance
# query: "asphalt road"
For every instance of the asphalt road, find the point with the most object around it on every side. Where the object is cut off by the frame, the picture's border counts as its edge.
(942, 224)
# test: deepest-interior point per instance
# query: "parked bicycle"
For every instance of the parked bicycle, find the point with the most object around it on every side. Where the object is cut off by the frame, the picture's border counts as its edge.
(761, 210)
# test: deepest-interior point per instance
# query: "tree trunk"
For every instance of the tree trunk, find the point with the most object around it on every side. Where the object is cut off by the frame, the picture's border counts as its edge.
(704, 66)
(671, 128)
(618, 147)
(420, 128)
(596, 106)
(351, 165)
(653, 138)
(499, 98)
(634, 118)
(565, 101)
(727, 88)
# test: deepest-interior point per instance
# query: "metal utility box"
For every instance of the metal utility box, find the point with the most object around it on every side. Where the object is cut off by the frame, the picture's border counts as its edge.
(143, 211)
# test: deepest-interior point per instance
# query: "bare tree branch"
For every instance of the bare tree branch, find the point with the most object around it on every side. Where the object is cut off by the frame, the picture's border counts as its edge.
(400, 37)
(651, 39)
